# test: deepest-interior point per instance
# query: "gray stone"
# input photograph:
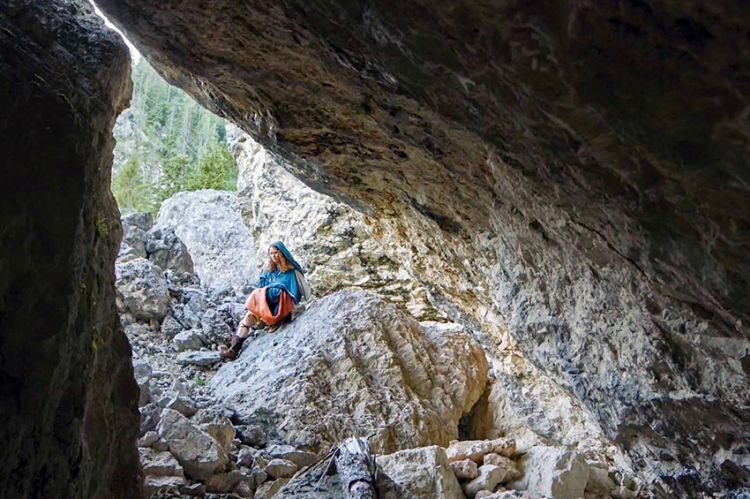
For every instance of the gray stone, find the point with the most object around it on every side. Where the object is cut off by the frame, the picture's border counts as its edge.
(144, 394)
(244, 489)
(223, 482)
(281, 468)
(259, 476)
(222, 430)
(211, 225)
(489, 477)
(141, 370)
(148, 439)
(477, 449)
(552, 472)
(160, 445)
(214, 326)
(150, 414)
(194, 490)
(205, 358)
(246, 457)
(134, 232)
(501, 494)
(170, 326)
(167, 251)
(269, 489)
(183, 405)
(136, 330)
(198, 453)
(508, 466)
(127, 253)
(159, 463)
(423, 472)
(180, 388)
(177, 280)
(187, 340)
(143, 221)
(599, 482)
(251, 435)
(289, 453)
(162, 484)
(465, 469)
(141, 290)
(215, 413)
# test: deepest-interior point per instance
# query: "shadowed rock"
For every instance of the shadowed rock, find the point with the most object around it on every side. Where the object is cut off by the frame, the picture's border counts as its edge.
(68, 400)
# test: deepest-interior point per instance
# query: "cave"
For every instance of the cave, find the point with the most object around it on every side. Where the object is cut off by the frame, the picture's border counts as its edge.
(570, 180)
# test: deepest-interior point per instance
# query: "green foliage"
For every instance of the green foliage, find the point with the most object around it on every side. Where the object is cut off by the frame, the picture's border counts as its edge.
(175, 175)
(171, 144)
(131, 189)
(216, 170)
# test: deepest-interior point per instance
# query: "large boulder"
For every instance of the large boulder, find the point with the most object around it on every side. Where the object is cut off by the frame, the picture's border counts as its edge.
(141, 289)
(210, 224)
(552, 472)
(198, 453)
(201, 358)
(354, 365)
(423, 472)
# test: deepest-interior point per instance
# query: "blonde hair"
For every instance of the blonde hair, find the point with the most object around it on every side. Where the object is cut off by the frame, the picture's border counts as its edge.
(284, 264)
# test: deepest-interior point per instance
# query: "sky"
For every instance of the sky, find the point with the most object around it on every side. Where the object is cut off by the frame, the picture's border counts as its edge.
(134, 54)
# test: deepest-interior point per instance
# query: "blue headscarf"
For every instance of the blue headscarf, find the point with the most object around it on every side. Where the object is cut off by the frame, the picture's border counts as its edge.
(289, 258)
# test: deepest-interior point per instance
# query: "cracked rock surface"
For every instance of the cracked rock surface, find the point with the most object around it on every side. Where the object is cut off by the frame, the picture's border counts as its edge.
(571, 177)
(354, 365)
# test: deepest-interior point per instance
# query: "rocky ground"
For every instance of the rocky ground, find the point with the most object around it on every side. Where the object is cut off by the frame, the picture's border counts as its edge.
(351, 364)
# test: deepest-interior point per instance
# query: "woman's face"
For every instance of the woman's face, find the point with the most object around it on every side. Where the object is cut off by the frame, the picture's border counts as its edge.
(275, 255)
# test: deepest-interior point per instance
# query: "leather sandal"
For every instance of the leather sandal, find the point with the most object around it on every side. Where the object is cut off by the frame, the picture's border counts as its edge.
(233, 351)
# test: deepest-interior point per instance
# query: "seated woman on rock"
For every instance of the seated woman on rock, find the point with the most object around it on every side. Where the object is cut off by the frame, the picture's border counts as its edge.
(280, 288)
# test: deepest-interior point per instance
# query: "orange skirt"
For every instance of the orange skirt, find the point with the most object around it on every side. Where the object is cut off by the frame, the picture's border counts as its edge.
(258, 306)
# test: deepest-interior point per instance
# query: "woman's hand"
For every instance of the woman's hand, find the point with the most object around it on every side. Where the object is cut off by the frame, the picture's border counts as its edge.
(270, 265)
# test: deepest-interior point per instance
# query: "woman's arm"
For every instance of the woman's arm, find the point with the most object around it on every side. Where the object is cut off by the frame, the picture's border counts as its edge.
(273, 294)
(265, 280)
(288, 282)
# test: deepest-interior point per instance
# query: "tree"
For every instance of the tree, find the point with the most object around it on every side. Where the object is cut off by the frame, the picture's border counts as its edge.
(174, 145)
(216, 170)
(130, 189)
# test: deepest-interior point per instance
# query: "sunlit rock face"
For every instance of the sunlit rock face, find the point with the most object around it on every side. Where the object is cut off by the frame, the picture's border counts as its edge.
(67, 394)
(569, 179)
(338, 246)
(353, 365)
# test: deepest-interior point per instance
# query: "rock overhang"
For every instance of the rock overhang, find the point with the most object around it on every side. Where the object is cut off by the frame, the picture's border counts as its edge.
(591, 159)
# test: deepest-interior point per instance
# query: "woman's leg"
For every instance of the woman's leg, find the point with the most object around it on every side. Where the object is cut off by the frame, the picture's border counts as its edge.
(235, 342)
(243, 331)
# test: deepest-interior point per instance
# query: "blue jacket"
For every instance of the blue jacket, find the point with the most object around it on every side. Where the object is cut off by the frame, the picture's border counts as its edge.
(278, 280)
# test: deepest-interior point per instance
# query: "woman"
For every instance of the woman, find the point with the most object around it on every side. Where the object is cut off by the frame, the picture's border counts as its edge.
(279, 290)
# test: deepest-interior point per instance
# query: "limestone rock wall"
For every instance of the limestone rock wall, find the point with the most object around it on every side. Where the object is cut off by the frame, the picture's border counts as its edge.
(67, 394)
(569, 178)
(338, 246)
